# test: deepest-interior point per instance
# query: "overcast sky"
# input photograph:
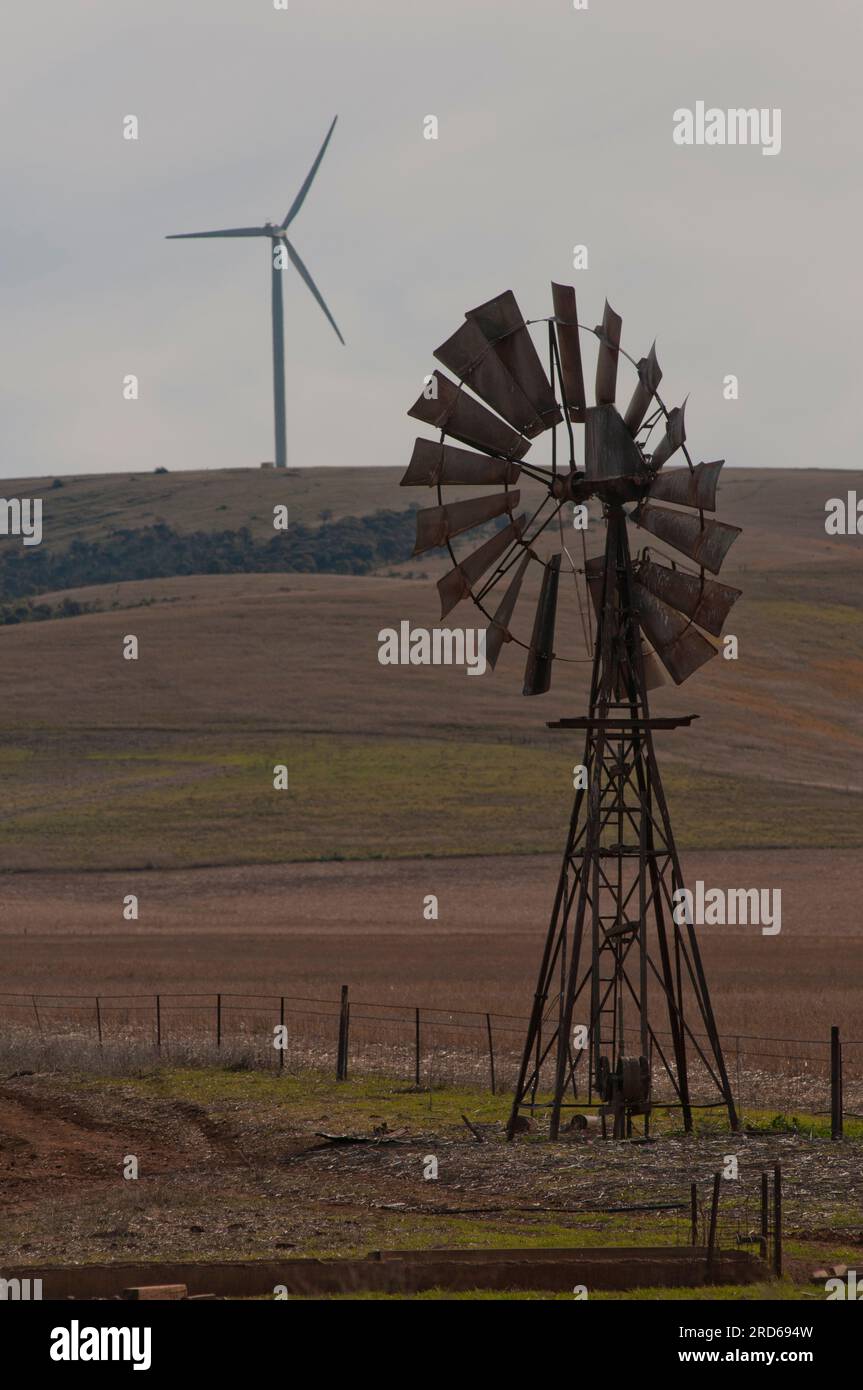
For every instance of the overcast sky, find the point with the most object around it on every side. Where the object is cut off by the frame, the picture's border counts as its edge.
(555, 128)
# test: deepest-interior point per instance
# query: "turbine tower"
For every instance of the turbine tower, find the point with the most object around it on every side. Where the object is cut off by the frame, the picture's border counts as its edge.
(278, 236)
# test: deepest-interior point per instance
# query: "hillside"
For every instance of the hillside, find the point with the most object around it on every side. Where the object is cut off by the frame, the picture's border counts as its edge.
(168, 760)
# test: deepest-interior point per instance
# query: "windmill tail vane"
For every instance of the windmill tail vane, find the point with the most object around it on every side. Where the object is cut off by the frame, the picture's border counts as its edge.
(621, 997)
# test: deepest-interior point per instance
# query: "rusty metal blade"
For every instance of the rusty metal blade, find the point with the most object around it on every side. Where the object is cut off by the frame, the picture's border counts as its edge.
(459, 415)
(606, 362)
(502, 323)
(433, 463)
(594, 573)
(649, 377)
(680, 647)
(655, 674)
(675, 435)
(498, 631)
(537, 671)
(609, 449)
(705, 601)
(687, 487)
(457, 583)
(437, 525)
(470, 355)
(706, 543)
(566, 319)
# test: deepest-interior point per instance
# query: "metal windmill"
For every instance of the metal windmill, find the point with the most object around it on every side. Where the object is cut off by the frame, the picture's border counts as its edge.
(278, 236)
(621, 987)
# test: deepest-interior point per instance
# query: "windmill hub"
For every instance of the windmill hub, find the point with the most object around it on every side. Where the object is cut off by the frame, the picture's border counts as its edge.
(620, 979)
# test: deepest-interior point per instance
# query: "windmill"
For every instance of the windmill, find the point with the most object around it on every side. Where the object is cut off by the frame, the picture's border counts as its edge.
(621, 992)
(280, 248)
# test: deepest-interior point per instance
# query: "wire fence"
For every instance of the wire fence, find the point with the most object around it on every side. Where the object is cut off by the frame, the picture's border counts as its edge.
(426, 1046)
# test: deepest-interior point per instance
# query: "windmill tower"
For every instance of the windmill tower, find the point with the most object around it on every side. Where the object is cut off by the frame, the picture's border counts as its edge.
(621, 993)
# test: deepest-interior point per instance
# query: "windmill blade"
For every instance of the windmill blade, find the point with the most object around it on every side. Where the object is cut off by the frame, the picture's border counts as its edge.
(705, 601)
(457, 583)
(649, 377)
(606, 363)
(706, 543)
(680, 647)
(537, 671)
(229, 231)
(498, 632)
(609, 449)
(689, 487)
(433, 464)
(674, 437)
(471, 357)
(437, 525)
(458, 414)
(594, 574)
(566, 319)
(307, 181)
(298, 265)
(502, 323)
(655, 674)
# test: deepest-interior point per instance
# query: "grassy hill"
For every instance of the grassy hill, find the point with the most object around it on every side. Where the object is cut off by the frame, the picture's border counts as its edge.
(168, 760)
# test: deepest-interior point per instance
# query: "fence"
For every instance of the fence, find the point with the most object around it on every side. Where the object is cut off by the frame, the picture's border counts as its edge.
(424, 1045)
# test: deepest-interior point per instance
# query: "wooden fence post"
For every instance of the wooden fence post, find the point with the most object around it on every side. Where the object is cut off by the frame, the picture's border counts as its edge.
(282, 1049)
(342, 1052)
(777, 1220)
(38, 1019)
(98, 1021)
(765, 1215)
(218, 1020)
(416, 1047)
(693, 1213)
(490, 1050)
(836, 1119)
(158, 1023)
(714, 1213)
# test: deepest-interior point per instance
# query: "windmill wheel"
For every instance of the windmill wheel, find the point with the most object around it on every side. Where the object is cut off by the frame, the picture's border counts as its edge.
(615, 460)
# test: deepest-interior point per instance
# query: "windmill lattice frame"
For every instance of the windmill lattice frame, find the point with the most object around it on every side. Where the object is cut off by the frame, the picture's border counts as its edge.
(618, 892)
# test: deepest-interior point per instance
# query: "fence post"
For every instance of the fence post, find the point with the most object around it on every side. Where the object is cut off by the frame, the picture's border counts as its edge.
(835, 1085)
(490, 1050)
(765, 1215)
(282, 1049)
(416, 1047)
(38, 1019)
(693, 1213)
(218, 1020)
(98, 1020)
(158, 1023)
(714, 1213)
(777, 1220)
(342, 1053)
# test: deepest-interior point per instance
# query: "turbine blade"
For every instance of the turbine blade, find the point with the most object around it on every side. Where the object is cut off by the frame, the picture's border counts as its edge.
(459, 415)
(437, 525)
(498, 632)
(705, 601)
(307, 182)
(537, 671)
(472, 358)
(680, 647)
(566, 319)
(606, 362)
(609, 449)
(674, 437)
(502, 323)
(298, 265)
(229, 231)
(457, 583)
(649, 377)
(686, 487)
(441, 464)
(706, 544)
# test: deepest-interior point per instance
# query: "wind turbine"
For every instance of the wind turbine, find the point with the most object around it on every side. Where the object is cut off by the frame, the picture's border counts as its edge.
(278, 235)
